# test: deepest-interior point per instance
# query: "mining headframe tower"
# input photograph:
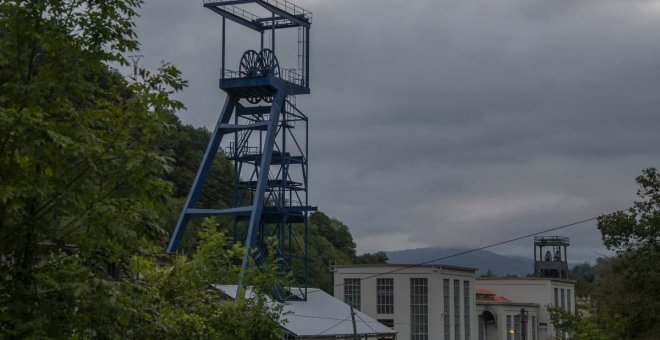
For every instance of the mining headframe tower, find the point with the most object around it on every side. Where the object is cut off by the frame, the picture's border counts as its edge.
(266, 138)
(550, 257)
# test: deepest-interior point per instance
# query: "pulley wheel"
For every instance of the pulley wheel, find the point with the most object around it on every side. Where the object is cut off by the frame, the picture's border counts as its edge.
(268, 63)
(249, 66)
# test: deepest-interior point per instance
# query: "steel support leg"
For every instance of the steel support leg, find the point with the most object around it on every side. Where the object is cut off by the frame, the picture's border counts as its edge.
(258, 204)
(202, 174)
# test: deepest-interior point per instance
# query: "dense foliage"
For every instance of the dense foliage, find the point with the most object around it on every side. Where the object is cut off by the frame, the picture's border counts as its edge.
(623, 288)
(94, 168)
(176, 301)
(184, 145)
(85, 188)
(628, 290)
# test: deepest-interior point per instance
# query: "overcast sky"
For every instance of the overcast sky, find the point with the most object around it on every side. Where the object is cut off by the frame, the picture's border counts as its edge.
(455, 123)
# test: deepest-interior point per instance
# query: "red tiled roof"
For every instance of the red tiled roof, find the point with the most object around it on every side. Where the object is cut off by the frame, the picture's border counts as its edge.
(484, 291)
(489, 295)
(501, 299)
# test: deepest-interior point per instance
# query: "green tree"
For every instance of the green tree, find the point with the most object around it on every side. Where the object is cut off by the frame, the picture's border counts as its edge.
(584, 275)
(579, 328)
(84, 188)
(378, 257)
(626, 290)
(80, 170)
(335, 231)
(488, 274)
(185, 145)
(174, 301)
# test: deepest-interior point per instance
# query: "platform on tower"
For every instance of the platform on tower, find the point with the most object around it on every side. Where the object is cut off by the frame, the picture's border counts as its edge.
(262, 86)
(284, 14)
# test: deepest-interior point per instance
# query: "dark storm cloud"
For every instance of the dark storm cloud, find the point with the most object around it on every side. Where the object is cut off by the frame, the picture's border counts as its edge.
(456, 123)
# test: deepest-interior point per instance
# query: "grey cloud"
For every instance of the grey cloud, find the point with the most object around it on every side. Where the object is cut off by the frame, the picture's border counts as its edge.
(456, 123)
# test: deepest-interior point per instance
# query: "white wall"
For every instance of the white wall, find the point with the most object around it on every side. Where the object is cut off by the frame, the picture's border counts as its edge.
(401, 316)
(501, 310)
(533, 290)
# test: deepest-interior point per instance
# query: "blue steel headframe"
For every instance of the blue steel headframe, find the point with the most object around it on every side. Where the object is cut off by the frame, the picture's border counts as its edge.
(202, 174)
(283, 14)
(270, 184)
(258, 204)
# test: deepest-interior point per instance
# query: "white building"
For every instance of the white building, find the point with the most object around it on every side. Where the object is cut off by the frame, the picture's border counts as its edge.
(534, 291)
(502, 319)
(419, 302)
(447, 303)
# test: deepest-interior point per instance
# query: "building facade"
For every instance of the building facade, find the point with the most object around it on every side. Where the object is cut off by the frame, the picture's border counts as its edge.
(420, 302)
(542, 292)
(502, 319)
(448, 303)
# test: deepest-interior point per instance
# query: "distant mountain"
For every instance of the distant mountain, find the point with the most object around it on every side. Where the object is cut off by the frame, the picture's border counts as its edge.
(483, 260)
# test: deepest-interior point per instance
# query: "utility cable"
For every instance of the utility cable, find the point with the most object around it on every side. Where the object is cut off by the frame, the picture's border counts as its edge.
(485, 247)
(366, 323)
(336, 319)
(335, 325)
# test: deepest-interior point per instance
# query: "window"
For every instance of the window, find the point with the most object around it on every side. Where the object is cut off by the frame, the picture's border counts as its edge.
(509, 326)
(466, 308)
(563, 299)
(457, 309)
(352, 292)
(569, 301)
(482, 328)
(533, 327)
(385, 296)
(387, 322)
(419, 310)
(556, 297)
(517, 326)
(445, 315)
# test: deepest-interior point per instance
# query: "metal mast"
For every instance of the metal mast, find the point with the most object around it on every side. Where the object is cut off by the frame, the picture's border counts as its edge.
(270, 156)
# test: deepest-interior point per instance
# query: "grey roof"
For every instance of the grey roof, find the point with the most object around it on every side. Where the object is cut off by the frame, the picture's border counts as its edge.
(506, 303)
(322, 315)
(396, 265)
(531, 278)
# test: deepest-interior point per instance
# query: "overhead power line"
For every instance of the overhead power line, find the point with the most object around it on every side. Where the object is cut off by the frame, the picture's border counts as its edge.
(336, 319)
(366, 323)
(335, 325)
(486, 246)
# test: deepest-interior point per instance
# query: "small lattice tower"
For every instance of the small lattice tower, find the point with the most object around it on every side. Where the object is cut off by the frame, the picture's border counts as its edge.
(262, 132)
(550, 257)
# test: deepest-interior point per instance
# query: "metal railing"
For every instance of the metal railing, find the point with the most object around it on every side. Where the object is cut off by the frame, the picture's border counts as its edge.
(291, 8)
(274, 200)
(551, 239)
(229, 74)
(293, 203)
(289, 75)
(281, 4)
(234, 10)
(242, 150)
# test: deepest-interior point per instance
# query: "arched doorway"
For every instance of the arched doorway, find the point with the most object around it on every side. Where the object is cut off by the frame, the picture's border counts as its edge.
(487, 326)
